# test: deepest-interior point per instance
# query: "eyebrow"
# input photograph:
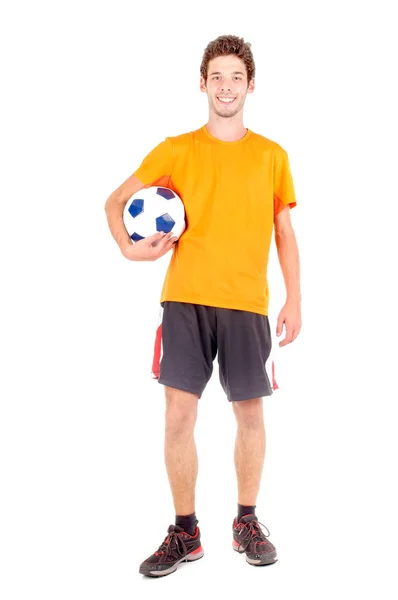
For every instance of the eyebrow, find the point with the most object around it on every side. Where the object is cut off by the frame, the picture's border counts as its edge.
(233, 73)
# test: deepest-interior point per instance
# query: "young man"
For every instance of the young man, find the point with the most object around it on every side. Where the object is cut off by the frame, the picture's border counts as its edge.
(236, 186)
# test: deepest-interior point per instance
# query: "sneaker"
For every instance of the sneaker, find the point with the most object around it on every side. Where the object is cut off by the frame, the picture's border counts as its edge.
(248, 537)
(178, 546)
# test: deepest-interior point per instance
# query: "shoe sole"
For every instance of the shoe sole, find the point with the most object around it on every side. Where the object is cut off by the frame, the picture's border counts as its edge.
(195, 555)
(268, 559)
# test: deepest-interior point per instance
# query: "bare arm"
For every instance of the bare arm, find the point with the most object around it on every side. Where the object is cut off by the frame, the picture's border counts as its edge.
(150, 248)
(288, 254)
(114, 207)
(290, 315)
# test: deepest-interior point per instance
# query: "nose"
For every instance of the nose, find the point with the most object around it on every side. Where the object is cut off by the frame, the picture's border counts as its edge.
(224, 88)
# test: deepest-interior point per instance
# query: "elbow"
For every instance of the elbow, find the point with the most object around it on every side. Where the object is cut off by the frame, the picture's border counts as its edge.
(283, 234)
(108, 203)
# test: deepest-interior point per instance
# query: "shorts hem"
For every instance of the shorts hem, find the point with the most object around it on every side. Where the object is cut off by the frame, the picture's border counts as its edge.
(249, 396)
(179, 386)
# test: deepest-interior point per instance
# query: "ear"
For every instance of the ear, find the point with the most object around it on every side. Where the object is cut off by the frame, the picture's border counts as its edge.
(202, 85)
(250, 88)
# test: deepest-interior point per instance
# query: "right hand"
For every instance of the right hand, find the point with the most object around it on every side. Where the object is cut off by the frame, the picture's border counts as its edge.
(150, 248)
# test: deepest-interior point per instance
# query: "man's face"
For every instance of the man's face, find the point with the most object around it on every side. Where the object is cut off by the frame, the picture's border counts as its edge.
(227, 85)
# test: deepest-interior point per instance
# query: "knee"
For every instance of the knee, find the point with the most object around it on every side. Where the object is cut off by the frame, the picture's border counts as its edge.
(249, 413)
(179, 422)
(180, 416)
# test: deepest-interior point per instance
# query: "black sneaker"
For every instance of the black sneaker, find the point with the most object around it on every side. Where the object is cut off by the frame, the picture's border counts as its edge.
(178, 546)
(249, 538)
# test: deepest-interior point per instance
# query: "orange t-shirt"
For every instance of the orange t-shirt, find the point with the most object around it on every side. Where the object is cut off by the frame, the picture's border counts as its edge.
(231, 193)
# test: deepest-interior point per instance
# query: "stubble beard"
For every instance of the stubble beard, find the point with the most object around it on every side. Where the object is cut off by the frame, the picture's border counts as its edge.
(227, 114)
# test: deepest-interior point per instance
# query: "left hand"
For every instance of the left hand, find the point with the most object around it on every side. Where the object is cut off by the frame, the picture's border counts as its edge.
(290, 316)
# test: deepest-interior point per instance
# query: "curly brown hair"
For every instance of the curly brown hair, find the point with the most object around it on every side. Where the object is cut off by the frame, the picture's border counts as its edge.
(225, 45)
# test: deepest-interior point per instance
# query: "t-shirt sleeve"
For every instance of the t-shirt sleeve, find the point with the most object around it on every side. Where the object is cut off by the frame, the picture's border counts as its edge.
(284, 193)
(157, 165)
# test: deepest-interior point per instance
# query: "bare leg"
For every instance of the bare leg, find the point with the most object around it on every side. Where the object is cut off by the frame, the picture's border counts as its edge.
(249, 448)
(179, 449)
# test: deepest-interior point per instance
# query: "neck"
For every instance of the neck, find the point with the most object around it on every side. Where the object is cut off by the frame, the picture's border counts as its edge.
(226, 129)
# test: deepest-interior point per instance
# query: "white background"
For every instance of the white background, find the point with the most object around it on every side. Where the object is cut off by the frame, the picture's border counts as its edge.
(88, 90)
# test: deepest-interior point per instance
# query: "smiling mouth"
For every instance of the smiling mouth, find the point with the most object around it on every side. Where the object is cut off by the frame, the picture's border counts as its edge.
(225, 100)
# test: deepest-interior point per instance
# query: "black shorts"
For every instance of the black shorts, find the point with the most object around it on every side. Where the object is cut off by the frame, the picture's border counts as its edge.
(190, 336)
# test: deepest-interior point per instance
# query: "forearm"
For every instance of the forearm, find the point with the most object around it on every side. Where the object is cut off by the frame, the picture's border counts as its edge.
(114, 214)
(289, 260)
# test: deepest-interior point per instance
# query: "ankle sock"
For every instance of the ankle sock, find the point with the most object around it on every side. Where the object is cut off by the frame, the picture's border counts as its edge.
(187, 522)
(245, 510)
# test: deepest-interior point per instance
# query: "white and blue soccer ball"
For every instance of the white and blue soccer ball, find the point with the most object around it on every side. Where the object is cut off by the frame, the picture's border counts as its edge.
(154, 209)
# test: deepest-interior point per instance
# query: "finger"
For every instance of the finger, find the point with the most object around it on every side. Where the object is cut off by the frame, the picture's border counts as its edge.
(288, 337)
(160, 240)
(166, 244)
(157, 236)
(166, 238)
(155, 239)
(279, 327)
(170, 244)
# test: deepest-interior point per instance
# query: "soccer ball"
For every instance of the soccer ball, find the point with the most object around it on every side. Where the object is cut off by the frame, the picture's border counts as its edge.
(154, 209)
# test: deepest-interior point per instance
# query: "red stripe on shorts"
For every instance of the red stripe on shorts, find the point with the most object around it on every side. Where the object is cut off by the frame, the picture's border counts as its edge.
(157, 352)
